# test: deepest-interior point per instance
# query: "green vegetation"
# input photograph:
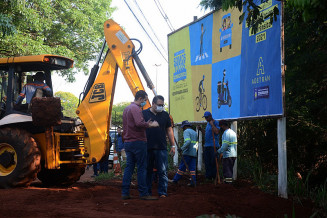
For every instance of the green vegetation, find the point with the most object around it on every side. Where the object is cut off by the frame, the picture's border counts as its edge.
(69, 28)
(305, 107)
(69, 102)
(117, 113)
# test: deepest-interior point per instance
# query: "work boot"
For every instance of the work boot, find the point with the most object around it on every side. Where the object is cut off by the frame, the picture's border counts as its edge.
(125, 197)
(172, 181)
(190, 185)
(148, 197)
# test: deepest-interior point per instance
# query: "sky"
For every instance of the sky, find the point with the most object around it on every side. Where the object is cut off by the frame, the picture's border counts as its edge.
(179, 13)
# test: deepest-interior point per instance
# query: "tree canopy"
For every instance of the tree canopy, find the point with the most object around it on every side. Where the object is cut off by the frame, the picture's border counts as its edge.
(69, 102)
(67, 27)
(117, 113)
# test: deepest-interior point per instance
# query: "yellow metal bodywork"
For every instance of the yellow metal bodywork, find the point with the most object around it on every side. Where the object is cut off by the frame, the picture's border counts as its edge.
(28, 59)
(122, 47)
(50, 148)
(95, 109)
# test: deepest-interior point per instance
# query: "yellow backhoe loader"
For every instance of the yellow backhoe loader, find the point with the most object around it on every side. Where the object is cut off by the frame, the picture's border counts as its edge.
(37, 141)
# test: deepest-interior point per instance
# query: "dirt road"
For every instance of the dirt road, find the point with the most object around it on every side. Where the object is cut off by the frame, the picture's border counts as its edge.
(102, 199)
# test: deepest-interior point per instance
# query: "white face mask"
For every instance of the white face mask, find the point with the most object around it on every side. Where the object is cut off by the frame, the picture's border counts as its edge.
(159, 109)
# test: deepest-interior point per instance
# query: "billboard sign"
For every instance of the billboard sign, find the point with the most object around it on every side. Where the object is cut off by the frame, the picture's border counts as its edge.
(219, 65)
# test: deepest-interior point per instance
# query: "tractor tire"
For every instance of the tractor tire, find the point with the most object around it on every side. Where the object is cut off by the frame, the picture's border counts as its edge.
(19, 158)
(65, 176)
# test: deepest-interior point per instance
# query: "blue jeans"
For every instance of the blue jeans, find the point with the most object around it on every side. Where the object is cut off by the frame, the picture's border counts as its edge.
(191, 163)
(95, 169)
(158, 159)
(104, 166)
(210, 162)
(136, 153)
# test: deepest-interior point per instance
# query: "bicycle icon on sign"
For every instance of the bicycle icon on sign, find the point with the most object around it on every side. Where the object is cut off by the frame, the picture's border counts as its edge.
(201, 100)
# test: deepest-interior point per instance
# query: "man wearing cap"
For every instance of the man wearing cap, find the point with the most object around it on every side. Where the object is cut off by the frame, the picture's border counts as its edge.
(229, 151)
(189, 149)
(157, 144)
(212, 128)
(29, 89)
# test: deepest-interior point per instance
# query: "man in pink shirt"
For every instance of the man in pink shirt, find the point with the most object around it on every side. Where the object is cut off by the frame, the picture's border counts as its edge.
(134, 134)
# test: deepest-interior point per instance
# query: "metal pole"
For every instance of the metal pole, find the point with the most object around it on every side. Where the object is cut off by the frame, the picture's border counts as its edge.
(234, 128)
(282, 157)
(157, 65)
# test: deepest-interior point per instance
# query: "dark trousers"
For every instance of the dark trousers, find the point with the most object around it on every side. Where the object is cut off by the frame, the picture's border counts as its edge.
(104, 166)
(210, 162)
(158, 159)
(136, 155)
(228, 164)
(191, 163)
(95, 169)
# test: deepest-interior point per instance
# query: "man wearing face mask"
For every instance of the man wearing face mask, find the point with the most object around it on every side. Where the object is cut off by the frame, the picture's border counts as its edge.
(157, 144)
(134, 127)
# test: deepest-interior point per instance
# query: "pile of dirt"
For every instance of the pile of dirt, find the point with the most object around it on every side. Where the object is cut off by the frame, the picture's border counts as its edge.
(103, 199)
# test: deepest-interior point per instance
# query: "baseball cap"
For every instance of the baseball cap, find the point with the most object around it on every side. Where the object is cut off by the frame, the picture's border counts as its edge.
(185, 123)
(207, 114)
(223, 122)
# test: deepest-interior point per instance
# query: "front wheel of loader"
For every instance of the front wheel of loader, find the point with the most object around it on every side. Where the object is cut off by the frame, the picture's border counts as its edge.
(19, 158)
(65, 176)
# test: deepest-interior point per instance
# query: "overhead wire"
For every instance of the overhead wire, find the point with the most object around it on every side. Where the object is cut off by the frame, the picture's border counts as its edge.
(164, 15)
(150, 26)
(145, 31)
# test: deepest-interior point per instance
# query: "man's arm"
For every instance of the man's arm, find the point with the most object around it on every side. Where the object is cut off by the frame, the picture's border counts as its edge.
(47, 91)
(21, 96)
(225, 144)
(171, 138)
(139, 119)
(214, 127)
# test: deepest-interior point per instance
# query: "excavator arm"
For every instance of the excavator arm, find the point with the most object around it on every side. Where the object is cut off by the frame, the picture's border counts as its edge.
(96, 107)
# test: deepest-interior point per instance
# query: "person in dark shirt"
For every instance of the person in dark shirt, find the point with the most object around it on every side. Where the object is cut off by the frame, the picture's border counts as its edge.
(157, 144)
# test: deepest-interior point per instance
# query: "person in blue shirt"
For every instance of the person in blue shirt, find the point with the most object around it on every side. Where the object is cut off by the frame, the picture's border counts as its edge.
(228, 150)
(189, 152)
(119, 145)
(29, 89)
(212, 128)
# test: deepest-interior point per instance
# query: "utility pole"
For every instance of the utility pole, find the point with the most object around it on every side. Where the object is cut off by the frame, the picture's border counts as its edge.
(157, 65)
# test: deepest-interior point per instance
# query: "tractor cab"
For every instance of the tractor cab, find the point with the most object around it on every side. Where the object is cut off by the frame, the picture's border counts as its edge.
(15, 72)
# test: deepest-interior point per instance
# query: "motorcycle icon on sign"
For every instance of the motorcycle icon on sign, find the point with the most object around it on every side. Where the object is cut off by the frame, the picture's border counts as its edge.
(226, 32)
(224, 97)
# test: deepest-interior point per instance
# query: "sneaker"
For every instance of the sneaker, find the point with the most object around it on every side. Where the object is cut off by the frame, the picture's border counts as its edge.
(125, 197)
(172, 181)
(148, 197)
(94, 176)
(163, 196)
(190, 185)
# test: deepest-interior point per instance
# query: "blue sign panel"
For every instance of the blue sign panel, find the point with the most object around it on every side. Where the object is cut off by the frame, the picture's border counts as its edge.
(226, 31)
(261, 84)
(179, 65)
(201, 41)
(225, 91)
(235, 72)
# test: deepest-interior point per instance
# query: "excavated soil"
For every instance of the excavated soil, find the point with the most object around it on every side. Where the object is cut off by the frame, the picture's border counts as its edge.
(88, 198)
